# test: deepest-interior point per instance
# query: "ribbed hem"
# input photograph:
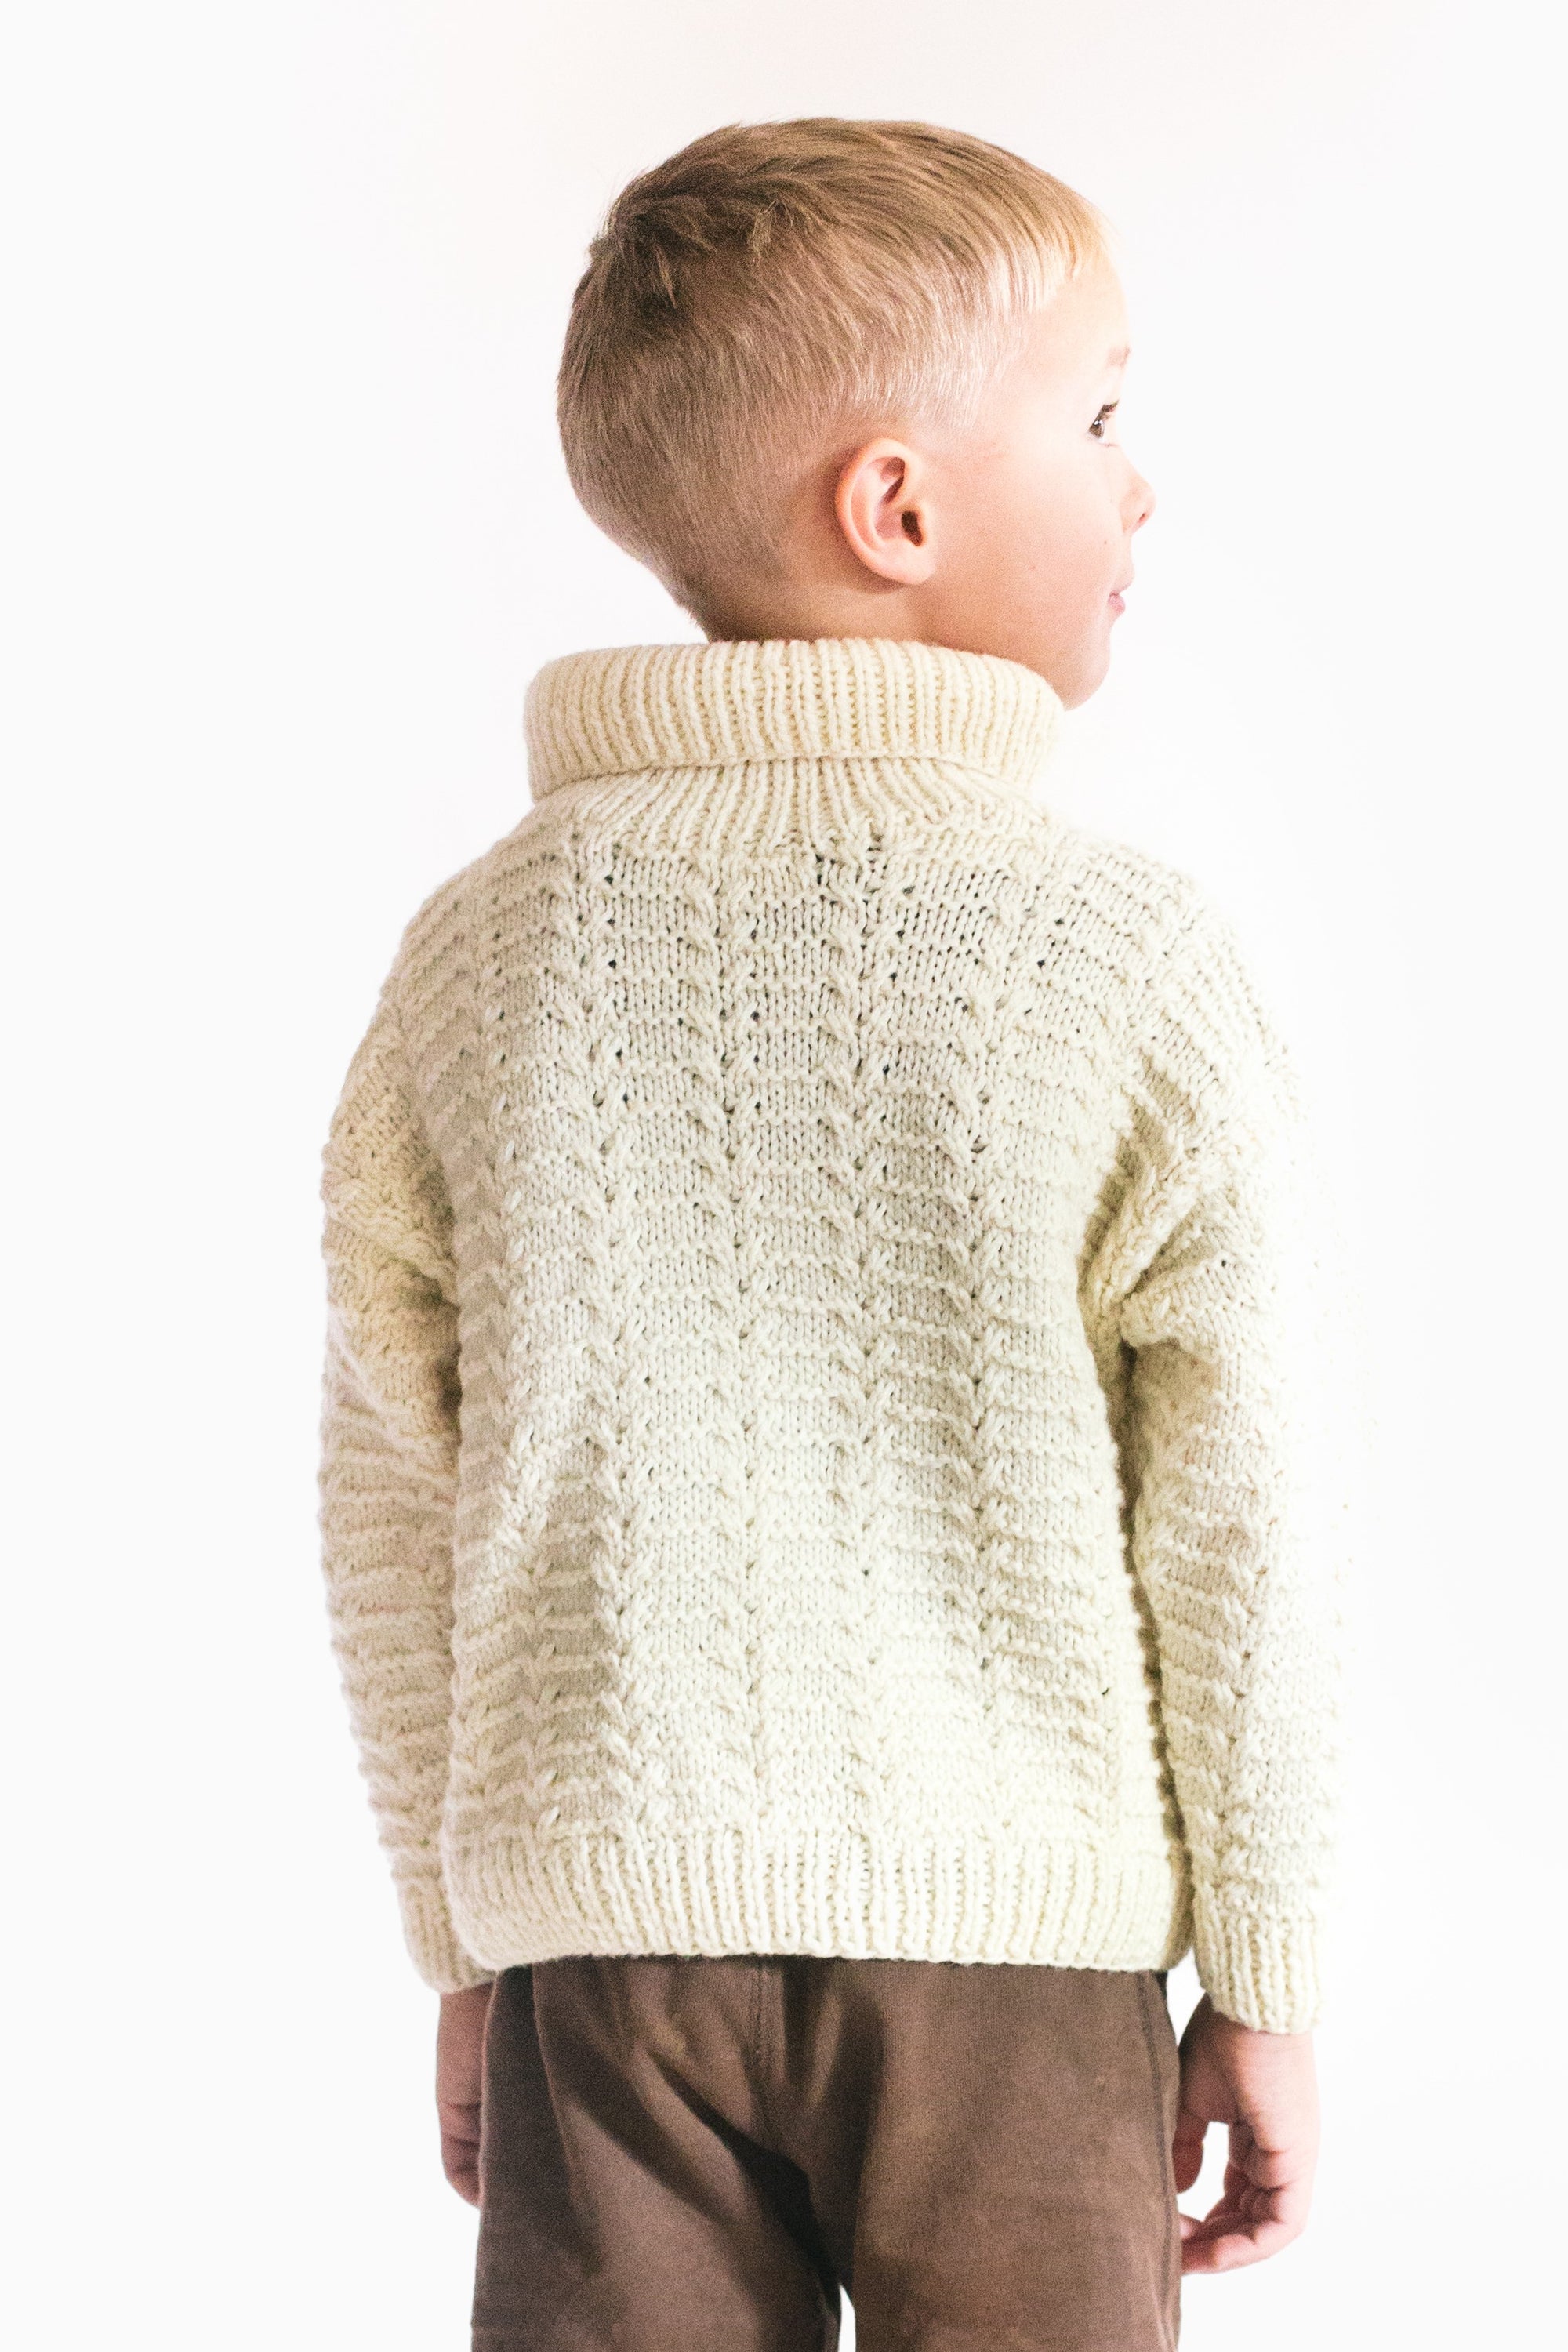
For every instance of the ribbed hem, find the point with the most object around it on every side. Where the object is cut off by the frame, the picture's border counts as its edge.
(1265, 1971)
(432, 1946)
(978, 1899)
(615, 710)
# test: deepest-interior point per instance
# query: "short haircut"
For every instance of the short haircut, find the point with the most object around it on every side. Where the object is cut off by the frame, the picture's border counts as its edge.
(776, 292)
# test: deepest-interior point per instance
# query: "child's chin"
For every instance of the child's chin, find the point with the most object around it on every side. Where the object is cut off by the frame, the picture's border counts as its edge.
(1087, 673)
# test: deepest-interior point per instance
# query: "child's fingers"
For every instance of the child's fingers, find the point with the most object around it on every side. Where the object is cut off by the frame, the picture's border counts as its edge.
(1248, 2225)
(460, 2148)
(1269, 2168)
(1187, 2146)
(1270, 2161)
(1231, 2244)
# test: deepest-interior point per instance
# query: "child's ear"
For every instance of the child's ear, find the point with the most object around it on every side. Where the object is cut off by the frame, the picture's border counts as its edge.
(884, 509)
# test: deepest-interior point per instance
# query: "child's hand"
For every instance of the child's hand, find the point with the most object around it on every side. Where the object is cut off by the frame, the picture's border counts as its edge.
(1264, 2085)
(460, 2083)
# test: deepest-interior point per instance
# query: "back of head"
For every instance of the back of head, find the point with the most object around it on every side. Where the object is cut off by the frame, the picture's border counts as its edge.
(774, 293)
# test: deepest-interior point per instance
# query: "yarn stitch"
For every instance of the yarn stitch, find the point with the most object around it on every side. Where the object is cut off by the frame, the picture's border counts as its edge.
(818, 1436)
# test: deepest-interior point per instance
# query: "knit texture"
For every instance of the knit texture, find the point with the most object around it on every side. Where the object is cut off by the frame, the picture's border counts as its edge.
(822, 1441)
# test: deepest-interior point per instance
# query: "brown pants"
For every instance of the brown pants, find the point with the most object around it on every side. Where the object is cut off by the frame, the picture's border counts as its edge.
(695, 2154)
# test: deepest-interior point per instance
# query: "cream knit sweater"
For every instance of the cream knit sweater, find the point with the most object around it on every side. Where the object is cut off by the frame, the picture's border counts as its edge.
(817, 1448)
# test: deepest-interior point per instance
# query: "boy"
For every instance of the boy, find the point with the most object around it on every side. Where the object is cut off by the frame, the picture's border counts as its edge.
(814, 1471)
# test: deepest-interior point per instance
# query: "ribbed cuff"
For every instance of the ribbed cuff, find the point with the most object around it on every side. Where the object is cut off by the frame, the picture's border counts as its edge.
(1262, 1968)
(432, 1946)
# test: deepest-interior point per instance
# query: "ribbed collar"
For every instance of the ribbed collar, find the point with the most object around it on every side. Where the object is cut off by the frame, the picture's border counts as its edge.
(623, 709)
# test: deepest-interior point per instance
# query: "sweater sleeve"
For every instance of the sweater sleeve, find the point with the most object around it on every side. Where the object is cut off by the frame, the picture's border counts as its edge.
(1236, 1483)
(388, 1471)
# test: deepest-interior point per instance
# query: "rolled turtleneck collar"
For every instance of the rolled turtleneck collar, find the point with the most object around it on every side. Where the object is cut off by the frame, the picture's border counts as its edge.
(624, 709)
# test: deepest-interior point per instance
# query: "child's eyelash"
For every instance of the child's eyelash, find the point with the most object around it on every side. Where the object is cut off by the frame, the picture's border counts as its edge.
(1104, 413)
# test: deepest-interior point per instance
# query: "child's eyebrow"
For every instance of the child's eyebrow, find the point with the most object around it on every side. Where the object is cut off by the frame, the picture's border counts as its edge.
(1116, 359)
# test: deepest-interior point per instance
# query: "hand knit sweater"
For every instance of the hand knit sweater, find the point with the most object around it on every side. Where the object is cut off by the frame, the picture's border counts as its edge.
(817, 1431)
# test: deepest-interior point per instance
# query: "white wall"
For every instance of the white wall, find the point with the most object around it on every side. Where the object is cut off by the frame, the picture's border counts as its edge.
(288, 284)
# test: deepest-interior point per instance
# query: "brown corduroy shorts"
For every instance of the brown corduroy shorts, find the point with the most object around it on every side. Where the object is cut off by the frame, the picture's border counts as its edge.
(695, 2155)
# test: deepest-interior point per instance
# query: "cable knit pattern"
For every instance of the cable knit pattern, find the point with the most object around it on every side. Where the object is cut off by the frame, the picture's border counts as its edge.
(822, 1434)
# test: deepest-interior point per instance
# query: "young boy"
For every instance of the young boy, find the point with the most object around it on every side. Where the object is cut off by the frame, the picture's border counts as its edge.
(816, 1482)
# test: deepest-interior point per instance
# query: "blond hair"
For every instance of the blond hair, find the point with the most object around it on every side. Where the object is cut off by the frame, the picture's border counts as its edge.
(778, 290)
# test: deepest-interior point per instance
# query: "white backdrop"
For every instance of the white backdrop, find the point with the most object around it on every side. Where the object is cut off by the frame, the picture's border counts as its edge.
(290, 534)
